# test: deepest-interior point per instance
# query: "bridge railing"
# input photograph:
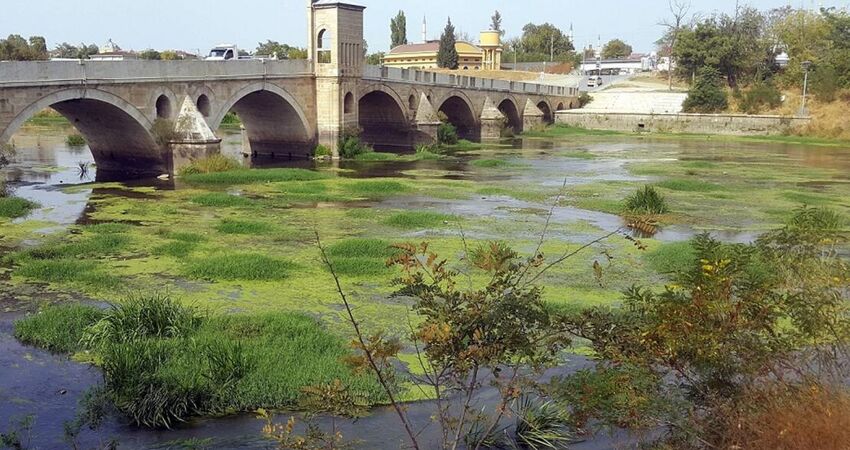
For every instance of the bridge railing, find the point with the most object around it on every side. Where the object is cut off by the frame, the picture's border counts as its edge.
(82, 72)
(380, 73)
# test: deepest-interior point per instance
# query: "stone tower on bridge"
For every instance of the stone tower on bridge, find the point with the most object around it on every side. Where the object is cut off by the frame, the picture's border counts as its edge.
(336, 52)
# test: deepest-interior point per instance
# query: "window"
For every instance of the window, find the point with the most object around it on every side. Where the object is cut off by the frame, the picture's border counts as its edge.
(323, 45)
(348, 104)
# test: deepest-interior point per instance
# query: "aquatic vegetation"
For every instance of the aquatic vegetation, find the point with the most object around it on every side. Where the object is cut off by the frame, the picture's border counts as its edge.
(491, 163)
(232, 226)
(688, 185)
(164, 363)
(58, 328)
(375, 188)
(248, 176)
(670, 257)
(361, 257)
(175, 249)
(647, 200)
(221, 200)
(14, 207)
(75, 140)
(239, 267)
(211, 164)
(447, 134)
(419, 220)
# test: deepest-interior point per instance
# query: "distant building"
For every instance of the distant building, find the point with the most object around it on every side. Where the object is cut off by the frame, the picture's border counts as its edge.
(109, 47)
(114, 56)
(634, 63)
(487, 55)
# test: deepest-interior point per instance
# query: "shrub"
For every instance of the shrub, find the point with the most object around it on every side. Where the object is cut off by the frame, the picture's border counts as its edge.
(647, 200)
(707, 94)
(824, 83)
(447, 134)
(75, 140)
(322, 151)
(350, 145)
(164, 132)
(231, 119)
(211, 164)
(759, 97)
(584, 99)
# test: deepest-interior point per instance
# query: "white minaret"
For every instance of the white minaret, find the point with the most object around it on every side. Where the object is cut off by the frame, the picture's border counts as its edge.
(424, 29)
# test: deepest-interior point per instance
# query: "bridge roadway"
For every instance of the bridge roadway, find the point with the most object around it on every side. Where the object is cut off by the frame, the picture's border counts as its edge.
(153, 116)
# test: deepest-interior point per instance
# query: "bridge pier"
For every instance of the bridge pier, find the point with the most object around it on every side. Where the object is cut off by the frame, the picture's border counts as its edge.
(532, 116)
(193, 138)
(492, 121)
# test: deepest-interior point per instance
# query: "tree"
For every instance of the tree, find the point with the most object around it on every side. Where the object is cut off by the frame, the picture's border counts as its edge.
(150, 55)
(16, 48)
(546, 42)
(280, 51)
(616, 49)
(706, 94)
(375, 59)
(447, 56)
(398, 30)
(674, 25)
(170, 55)
(496, 23)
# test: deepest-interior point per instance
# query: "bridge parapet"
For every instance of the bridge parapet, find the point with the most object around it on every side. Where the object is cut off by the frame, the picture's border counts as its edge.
(41, 73)
(413, 76)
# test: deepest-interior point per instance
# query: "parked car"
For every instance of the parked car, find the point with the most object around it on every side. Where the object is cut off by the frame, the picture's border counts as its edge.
(594, 81)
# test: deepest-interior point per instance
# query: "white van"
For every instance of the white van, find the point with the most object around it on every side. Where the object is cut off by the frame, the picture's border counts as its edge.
(223, 52)
(594, 82)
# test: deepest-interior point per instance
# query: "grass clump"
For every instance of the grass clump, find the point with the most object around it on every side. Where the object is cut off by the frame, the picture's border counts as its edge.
(361, 257)
(221, 200)
(647, 200)
(376, 156)
(14, 207)
(97, 245)
(108, 228)
(67, 270)
(210, 164)
(684, 185)
(491, 163)
(239, 267)
(250, 176)
(142, 317)
(231, 226)
(411, 220)
(75, 140)
(58, 328)
(374, 189)
(447, 134)
(175, 249)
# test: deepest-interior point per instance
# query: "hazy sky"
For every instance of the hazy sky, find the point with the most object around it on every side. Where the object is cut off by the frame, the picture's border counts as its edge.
(199, 24)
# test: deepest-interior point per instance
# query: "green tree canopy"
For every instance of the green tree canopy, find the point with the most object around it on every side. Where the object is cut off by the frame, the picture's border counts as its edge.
(544, 42)
(447, 57)
(398, 30)
(706, 94)
(66, 50)
(496, 23)
(280, 51)
(150, 55)
(616, 48)
(16, 48)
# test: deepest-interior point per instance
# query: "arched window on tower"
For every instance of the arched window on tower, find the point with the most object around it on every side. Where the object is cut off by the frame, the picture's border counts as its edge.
(323, 44)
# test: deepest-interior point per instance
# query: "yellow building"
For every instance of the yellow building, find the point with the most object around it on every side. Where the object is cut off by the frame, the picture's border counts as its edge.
(488, 55)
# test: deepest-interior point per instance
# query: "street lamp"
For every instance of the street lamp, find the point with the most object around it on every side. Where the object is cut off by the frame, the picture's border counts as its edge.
(806, 66)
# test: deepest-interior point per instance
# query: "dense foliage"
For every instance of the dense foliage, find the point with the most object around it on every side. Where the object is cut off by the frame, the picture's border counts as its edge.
(447, 57)
(544, 42)
(16, 48)
(736, 321)
(706, 94)
(398, 30)
(277, 50)
(616, 48)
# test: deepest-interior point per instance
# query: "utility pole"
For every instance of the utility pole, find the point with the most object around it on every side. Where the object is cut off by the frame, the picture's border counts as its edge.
(806, 66)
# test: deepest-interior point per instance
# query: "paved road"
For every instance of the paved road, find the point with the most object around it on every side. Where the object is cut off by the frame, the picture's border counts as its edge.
(607, 80)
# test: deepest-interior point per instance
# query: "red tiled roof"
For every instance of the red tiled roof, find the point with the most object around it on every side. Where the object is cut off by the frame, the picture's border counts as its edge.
(432, 46)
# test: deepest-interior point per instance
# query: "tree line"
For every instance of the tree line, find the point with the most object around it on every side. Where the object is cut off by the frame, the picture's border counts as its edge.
(740, 52)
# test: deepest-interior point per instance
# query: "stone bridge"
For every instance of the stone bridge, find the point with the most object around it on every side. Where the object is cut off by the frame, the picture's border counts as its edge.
(143, 117)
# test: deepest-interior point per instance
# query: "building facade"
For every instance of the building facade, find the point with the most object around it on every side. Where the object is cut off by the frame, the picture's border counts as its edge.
(487, 55)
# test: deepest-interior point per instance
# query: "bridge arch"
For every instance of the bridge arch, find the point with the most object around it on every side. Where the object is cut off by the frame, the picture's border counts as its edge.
(460, 112)
(548, 117)
(274, 121)
(560, 106)
(383, 118)
(117, 133)
(510, 110)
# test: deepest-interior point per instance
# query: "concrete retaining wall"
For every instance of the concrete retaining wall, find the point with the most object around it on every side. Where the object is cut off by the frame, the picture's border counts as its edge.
(726, 124)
